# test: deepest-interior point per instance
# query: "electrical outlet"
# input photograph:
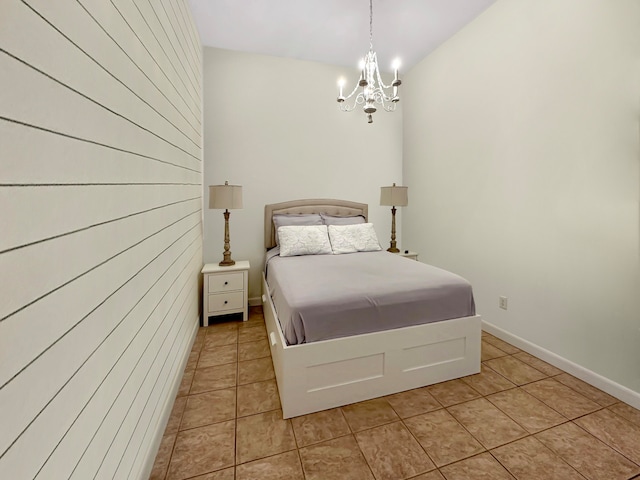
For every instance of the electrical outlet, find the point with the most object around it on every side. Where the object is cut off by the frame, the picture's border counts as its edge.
(502, 303)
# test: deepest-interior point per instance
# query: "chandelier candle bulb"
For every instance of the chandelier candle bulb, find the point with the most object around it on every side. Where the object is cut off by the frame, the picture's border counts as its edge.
(395, 66)
(341, 84)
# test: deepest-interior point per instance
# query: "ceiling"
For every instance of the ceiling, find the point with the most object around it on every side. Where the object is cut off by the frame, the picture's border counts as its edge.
(333, 31)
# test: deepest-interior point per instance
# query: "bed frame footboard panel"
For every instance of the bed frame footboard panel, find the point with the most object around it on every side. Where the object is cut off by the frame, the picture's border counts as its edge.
(322, 375)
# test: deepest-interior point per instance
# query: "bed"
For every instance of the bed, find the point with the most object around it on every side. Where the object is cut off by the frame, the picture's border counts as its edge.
(353, 353)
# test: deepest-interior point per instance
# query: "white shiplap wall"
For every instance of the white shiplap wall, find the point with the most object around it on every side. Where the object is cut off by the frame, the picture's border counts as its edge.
(100, 231)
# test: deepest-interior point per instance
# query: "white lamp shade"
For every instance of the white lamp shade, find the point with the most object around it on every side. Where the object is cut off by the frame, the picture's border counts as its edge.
(394, 196)
(225, 196)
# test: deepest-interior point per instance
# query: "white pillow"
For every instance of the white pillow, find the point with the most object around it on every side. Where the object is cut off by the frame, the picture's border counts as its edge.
(353, 238)
(304, 240)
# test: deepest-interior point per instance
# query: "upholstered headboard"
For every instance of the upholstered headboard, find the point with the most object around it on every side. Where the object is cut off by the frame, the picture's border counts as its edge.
(338, 208)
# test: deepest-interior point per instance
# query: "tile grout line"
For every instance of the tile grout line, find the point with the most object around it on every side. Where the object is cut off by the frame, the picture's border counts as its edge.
(175, 440)
(235, 420)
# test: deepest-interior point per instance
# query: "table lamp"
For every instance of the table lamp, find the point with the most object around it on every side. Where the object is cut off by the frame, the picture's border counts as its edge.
(228, 197)
(394, 196)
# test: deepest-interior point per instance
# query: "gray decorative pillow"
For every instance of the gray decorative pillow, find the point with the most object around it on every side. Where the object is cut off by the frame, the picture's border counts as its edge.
(302, 219)
(333, 220)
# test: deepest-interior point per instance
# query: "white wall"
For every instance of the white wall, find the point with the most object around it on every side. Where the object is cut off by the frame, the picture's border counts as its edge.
(273, 126)
(101, 236)
(521, 153)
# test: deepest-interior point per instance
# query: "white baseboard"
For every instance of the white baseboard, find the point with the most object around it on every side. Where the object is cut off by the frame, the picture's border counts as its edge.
(612, 388)
(255, 301)
(145, 471)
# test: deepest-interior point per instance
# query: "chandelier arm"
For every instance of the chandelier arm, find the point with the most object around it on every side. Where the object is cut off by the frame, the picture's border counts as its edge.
(346, 108)
(359, 100)
(352, 92)
(382, 84)
(380, 97)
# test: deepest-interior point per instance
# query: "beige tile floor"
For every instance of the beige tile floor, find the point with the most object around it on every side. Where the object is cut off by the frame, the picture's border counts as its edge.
(520, 418)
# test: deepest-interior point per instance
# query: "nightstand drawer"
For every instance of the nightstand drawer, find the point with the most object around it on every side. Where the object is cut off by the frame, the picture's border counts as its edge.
(226, 282)
(226, 301)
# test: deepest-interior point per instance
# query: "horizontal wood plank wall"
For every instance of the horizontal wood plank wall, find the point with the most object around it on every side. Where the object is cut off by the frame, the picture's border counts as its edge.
(101, 230)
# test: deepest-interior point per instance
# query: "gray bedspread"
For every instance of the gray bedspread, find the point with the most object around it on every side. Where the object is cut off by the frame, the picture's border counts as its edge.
(319, 297)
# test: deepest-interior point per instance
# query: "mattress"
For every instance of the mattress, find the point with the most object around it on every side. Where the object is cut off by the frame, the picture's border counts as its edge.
(320, 297)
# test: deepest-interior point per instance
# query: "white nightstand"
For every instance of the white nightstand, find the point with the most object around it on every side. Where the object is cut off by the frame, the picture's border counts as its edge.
(411, 255)
(225, 290)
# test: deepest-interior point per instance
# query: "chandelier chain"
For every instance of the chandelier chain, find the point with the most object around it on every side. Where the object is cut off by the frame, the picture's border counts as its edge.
(370, 24)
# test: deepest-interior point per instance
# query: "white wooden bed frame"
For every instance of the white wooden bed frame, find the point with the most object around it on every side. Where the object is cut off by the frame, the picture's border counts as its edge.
(321, 375)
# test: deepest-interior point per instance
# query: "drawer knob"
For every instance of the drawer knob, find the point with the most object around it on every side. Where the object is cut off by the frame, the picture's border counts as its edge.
(226, 283)
(225, 302)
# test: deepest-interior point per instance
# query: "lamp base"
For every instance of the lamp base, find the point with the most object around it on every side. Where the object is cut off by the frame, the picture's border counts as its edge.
(226, 255)
(392, 248)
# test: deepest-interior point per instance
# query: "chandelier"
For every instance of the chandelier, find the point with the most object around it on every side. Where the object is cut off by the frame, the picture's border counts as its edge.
(374, 91)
